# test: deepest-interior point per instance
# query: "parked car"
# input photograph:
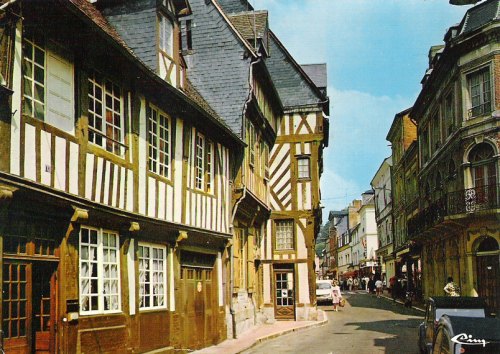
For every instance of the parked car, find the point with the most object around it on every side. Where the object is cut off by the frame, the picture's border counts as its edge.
(438, 306)
(456, 335)
(324, 291)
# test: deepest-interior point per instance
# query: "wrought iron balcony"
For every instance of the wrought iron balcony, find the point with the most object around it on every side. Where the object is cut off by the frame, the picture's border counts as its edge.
(466, 201)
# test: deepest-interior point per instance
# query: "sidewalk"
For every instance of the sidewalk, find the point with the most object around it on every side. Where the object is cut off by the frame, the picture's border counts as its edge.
(262, 333)
(416, 304)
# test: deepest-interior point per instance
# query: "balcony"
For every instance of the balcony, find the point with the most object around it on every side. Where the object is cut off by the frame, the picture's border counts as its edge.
(463, 202)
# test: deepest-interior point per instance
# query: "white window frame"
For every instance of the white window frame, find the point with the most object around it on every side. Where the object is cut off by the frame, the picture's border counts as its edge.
(30, 100)
(159, 135)
(284, 235)
(99, 107)
(209, 166)
(161, 272)
(166, 35)
(97, 258)
(199, 161)
(303, 170)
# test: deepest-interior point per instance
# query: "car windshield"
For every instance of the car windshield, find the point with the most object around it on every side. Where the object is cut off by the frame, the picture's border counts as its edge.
(460, 312)
(323, 286)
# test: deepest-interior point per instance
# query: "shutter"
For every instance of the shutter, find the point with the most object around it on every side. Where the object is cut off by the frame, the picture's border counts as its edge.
(60, 93)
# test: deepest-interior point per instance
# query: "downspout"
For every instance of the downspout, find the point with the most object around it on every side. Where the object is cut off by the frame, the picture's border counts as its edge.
(235, 209)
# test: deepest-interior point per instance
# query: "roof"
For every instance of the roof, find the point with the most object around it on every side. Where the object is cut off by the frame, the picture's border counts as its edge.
(458, 302)
(478, 328)
(250, 24)
(317, 73)
(191, 97)
(480, 15)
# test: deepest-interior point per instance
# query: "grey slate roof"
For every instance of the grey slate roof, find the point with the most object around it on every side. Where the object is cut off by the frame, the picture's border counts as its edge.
(480, 15)
(294, 87)
(136, 23)
(218, 67)
(317, 73)
(232, 6)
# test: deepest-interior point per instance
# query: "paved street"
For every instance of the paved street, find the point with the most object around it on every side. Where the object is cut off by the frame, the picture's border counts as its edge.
(365, 325)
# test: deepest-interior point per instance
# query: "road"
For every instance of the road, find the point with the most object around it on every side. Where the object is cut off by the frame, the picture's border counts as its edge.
(365, 325)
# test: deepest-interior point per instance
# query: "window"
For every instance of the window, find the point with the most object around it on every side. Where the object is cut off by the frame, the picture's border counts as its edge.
(200, 160)
(105, 115)
(424, 147)
(186, 38)
(436, 132)
(303, 168)
(34, 79)
(284, 235)
(449, 115)
(158, 142)
(166, 35)
(479, 92)
(99, 271)
(251, 143)
(209, 166)
(152, 276)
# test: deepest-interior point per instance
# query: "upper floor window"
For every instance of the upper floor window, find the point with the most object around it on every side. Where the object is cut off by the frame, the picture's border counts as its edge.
(284, 235)
(479, 86)
(99, 271)
(152, 276)
(34, 78)
(166, 35)
(449, 114)
(251, 140)
(186, 35)
(105, 114)
(158, 142)
(482, 158)
(303, 167)
(200, 161)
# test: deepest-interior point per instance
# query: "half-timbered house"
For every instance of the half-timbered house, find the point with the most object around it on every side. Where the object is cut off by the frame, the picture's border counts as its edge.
(115, 193)
(226, 56)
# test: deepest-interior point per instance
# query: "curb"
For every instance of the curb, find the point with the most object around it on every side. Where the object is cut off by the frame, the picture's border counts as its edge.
(402, 303)
(287, 331)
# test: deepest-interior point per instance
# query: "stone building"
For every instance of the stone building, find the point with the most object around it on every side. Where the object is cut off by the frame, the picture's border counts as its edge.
(457, 112)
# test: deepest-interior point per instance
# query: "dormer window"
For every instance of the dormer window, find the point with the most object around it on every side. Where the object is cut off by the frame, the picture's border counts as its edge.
(166, 35)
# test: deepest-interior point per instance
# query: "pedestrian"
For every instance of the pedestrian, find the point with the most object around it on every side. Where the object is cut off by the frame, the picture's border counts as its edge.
(349, 283)
(336, 295)
(451, 288)
(371, 286)
(378, 286)
(392, 282)
(356, 283)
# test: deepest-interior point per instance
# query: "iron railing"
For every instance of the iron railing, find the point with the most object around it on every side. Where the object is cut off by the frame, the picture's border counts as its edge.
(465, 201)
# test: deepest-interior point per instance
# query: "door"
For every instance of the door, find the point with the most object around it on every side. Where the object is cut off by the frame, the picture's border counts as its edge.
(284, 306)
(488, 276)
(29, 311)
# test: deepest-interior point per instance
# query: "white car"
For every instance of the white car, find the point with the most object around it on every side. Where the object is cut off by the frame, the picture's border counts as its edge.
(324, 291)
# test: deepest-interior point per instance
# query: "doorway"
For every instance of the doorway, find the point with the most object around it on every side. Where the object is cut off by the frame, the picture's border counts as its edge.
(488, 273)
(29, 306)
(284, 306)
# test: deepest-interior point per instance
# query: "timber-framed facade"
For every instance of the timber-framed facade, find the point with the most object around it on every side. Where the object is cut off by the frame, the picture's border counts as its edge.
(115, 184)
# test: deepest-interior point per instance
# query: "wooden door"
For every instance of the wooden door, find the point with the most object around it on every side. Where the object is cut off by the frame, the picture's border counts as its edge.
(44, 307)
(488, 279)
(16, 307)
(284, 306)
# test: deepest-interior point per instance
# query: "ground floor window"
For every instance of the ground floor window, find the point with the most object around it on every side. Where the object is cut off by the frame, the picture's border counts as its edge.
(99, 271)
(152, 276)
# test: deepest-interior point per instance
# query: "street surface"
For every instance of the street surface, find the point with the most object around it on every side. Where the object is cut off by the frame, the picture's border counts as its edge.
(365, 325)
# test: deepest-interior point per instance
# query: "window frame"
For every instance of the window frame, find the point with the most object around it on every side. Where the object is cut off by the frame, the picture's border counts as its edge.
(35, 44)
(483, 107)
(299, 160)
(160, 134)
(151, 247)
(100, 269)
(165, 48)
(288, 243)
(199, 162)
(95, 134)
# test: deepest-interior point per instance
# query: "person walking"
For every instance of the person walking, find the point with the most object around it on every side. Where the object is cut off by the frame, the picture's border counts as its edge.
(451, 288)
(356, 283)
(379, 287)
(336, 295)
(349, 283)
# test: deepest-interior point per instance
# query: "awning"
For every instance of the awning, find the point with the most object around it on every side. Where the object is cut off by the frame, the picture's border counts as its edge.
(402, 252)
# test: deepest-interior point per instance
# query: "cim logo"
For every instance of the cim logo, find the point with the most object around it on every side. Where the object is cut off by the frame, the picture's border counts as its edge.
(464, 338)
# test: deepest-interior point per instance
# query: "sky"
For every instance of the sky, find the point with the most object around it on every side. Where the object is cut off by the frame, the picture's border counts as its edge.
(376, 53)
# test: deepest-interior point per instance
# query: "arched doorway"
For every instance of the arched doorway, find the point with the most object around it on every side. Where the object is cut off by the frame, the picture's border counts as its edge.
(488, 272)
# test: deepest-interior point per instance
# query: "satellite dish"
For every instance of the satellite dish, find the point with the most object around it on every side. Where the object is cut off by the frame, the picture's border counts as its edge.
(463, 2)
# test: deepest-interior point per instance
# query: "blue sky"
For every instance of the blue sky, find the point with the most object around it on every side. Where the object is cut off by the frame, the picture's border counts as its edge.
(376, 53)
